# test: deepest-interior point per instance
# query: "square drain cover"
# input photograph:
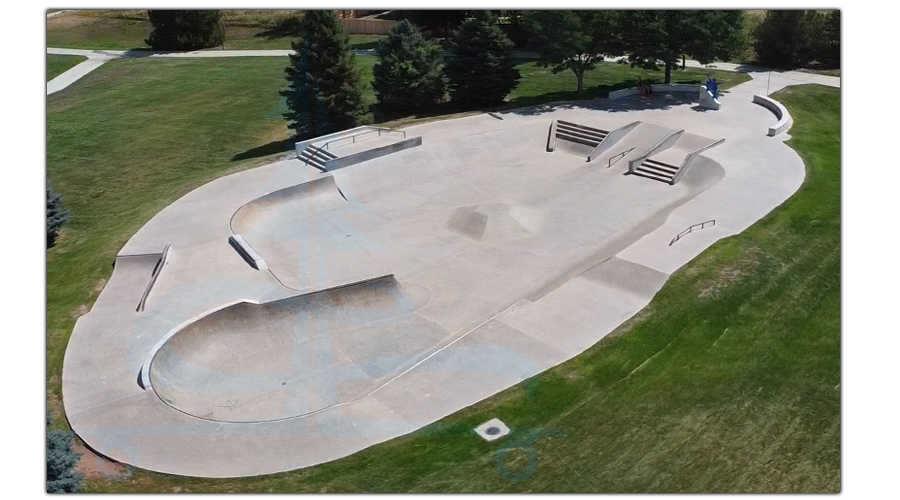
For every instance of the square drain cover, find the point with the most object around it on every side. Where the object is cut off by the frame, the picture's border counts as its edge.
(492, 429)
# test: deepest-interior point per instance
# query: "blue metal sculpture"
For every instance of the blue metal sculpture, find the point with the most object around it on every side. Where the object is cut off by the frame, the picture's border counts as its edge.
(712, 87)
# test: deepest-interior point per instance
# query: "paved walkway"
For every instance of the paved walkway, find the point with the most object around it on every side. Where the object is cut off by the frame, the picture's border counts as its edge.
(96, 58)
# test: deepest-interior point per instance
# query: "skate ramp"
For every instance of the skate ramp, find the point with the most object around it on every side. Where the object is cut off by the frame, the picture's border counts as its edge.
(263, 362)
(304, 199)
(684, 146)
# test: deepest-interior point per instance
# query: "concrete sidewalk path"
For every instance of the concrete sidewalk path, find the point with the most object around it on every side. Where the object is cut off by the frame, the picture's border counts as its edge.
(763, 78)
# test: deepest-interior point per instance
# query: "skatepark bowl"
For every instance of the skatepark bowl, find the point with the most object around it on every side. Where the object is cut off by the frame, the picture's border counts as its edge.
(295, 314)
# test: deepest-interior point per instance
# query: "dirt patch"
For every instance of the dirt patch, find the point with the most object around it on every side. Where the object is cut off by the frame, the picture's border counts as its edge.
(732, 274)
(79, 311)
(94, 466)
(68, 20)
(100, 285)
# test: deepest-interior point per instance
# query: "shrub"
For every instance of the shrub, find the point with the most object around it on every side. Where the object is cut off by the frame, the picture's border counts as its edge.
(61, 461)
(56, 216)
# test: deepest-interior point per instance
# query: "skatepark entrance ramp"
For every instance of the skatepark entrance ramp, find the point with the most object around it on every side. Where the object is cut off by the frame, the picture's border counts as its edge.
(250, 362)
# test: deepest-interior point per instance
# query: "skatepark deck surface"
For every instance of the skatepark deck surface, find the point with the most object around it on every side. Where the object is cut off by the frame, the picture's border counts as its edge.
(474, 261)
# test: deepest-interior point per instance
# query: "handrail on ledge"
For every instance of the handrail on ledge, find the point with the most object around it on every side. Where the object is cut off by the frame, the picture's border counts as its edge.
(353, 137)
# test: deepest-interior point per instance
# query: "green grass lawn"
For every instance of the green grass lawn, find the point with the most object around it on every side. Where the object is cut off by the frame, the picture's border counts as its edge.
(540, 84)
(58, 64)
(728, 381)
(124, 30)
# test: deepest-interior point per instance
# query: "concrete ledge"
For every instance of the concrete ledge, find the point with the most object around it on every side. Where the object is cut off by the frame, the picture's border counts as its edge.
(784, 118)
(300, 146)
(247, 252)
(373, 153)
(156, 271)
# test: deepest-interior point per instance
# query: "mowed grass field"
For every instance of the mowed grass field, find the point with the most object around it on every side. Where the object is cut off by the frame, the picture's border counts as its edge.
(129, 29)
(58, 64)
(728, 381)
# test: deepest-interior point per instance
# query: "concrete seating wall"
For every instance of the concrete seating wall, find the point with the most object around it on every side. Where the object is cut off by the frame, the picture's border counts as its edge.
(784, 118)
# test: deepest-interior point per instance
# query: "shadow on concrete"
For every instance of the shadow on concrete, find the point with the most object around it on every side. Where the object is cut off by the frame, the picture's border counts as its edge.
(632, 103)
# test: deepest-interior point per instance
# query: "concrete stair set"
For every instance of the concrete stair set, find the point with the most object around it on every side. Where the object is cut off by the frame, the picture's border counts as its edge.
(573, 132)
(657, 170)
(316, 157)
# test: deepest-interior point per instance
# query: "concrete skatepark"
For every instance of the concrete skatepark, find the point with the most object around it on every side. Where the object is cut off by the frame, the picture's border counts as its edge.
(294, 314)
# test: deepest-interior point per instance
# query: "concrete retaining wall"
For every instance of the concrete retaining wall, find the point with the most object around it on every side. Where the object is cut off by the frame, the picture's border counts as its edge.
(784, 118)
(373, 153)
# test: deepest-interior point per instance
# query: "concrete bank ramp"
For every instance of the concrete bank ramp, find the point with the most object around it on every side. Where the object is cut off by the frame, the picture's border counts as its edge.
(308, 198)
(250, 363)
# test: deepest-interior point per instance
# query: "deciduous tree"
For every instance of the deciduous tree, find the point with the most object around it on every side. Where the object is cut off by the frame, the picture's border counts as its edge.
(654, 37)
(574, 40)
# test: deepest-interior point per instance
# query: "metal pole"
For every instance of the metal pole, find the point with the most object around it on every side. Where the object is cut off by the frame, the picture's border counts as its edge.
(767, 83)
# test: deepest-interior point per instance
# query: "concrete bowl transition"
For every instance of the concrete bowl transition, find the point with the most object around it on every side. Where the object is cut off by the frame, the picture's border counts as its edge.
(383, 296)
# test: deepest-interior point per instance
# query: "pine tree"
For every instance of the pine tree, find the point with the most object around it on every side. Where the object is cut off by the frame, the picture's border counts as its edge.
(784, 38)
(481, 71)
(828, 36)
(410, 72)
(61, 461)
(185, 29)
(324, 93)
(56, 215)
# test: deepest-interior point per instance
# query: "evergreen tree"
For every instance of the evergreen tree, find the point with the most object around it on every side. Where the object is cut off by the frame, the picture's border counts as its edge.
(61, 461)
(185, 29)
(482, 70)
(410, 71)
(828, 36)
(783, 39)
(324, 93)
(667, 36)
(440, 22)
(56, 215)
(573, 40)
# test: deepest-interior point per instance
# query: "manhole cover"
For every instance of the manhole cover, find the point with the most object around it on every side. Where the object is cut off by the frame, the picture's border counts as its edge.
(492, 431)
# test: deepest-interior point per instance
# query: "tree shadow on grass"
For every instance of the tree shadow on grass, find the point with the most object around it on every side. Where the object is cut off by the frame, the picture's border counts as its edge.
(660, 101)
(289, 27)
(274, 147)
